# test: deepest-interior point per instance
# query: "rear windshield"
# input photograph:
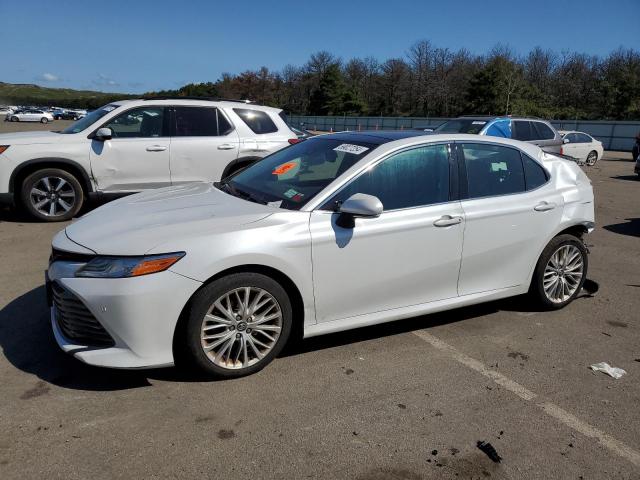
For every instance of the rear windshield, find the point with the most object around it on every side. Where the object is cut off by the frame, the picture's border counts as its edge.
(89, 119)
(461, 126)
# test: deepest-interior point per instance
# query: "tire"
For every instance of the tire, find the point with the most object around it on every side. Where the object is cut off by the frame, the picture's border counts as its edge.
(571, 278)
(592, 158)
(227, 356)
(15, 119)
(64, 192)
(44, 120)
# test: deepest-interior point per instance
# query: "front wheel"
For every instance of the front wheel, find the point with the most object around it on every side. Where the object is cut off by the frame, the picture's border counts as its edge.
(52, 195)
(235, 326)
(44, 120)
(560, 272)
(15, 119)
(592, 158)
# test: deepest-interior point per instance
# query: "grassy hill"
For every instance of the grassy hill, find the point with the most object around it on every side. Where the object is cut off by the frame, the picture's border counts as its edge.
(29, 94)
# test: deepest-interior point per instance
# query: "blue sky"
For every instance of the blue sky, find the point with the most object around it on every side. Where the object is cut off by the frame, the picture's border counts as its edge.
(141, 45)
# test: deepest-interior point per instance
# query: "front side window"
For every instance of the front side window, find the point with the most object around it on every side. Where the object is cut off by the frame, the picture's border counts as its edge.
(258, 121)
(571, 138)
(413, 178)
(294, 175)
(142, 122)
(200, 122)
(492, 170)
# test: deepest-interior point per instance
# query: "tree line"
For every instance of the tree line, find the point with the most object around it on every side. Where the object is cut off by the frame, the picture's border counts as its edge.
(430, 81)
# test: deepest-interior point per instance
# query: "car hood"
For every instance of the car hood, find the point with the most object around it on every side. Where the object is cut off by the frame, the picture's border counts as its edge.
(134, 225)
(28, 138)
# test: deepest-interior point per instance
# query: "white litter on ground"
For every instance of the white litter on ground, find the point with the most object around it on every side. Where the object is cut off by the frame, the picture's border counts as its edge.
(604, 367)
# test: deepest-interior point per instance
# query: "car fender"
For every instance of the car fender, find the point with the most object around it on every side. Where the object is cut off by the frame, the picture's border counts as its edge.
(51, 162)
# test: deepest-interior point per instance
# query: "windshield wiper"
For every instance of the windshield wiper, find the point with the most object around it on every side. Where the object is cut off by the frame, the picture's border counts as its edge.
(238, 193)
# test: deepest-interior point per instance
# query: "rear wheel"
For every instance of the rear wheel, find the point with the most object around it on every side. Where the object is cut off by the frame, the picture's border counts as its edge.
(235, 326)
(52, 195)
(592, 158)
(15, 119)
(560, 272)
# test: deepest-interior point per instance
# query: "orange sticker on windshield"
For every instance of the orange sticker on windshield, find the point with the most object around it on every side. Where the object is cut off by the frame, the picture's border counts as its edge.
(284, 168)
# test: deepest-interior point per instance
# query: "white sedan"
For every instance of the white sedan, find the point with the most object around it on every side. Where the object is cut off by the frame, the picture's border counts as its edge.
(582, 146)
(337, 232)
(31, 115)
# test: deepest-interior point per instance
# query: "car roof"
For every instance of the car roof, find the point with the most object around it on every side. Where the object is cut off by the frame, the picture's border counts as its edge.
(193, 101)
(487, 118)
(377, 137)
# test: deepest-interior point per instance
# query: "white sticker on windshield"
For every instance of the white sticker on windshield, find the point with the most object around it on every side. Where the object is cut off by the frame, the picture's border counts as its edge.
(275, 204)
(478, 122)
(350, 148)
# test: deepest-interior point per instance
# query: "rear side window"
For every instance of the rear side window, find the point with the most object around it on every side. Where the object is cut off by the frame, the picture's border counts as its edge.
(258, 121)
(534, 174)
(583, 138)
(492, 170)
(523, 131)
(543, 131)
(196, 122)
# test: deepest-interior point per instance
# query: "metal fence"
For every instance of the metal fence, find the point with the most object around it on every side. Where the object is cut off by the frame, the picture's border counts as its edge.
(614, 135)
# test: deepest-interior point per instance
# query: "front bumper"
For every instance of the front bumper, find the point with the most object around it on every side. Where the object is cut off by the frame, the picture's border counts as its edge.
(140, 314)
(637, 167)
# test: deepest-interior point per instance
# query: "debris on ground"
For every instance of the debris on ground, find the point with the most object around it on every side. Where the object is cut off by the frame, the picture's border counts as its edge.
(604, 367)
(489, 451)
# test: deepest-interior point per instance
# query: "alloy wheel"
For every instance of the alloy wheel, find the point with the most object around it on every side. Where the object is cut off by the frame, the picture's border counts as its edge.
(591, 158)
(52, 196)
(241, 327)
(563, 273)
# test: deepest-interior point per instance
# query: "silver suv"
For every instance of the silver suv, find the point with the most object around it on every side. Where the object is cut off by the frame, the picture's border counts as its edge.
(531, 130)
(135, 145)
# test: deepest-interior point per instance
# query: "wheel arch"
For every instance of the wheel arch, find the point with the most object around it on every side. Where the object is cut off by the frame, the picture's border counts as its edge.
(295, 296)
(30, 166)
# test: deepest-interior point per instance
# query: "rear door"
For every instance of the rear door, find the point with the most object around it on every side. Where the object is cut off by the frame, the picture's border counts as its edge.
(203, 144)
(510, 211)
(137, 156)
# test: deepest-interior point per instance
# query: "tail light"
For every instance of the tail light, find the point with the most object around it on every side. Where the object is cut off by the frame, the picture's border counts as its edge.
(3, 148)
(561, 151)
(293, 141)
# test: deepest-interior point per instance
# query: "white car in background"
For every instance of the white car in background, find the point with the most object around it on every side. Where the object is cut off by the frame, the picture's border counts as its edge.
(336, 232)
(130, 146)
(582, 147)
(30, 115)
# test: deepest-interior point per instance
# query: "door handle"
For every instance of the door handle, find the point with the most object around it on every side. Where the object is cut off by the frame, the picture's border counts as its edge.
(544, 206)
(447, 221)
(226, 146)
(156, 148)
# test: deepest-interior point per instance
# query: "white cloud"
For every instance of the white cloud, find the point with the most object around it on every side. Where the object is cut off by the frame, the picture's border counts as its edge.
(50, 77)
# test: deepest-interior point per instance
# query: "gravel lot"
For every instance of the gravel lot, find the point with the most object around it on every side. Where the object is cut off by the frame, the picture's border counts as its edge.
(407, 400)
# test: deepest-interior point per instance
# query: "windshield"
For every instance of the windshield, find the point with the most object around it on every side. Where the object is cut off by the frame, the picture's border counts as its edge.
(291, 177)
(90, 119)
(462, 126)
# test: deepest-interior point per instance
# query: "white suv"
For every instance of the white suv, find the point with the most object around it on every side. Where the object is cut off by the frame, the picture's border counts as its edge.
(135, 145)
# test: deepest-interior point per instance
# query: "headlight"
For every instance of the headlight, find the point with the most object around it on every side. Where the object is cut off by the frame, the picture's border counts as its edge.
(123, 267)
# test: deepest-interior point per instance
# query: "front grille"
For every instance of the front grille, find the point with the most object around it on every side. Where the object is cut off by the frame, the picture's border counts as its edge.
(61, 255)
(76, 322)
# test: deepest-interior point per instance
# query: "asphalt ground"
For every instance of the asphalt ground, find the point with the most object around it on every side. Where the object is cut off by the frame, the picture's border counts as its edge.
(406, 400)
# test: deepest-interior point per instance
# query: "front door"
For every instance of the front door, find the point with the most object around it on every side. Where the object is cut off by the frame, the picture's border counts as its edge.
(409, 255)
(137, 156)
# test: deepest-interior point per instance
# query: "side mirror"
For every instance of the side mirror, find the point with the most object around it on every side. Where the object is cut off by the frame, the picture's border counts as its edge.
(358, 205)
(565, 140)
(103, 134)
